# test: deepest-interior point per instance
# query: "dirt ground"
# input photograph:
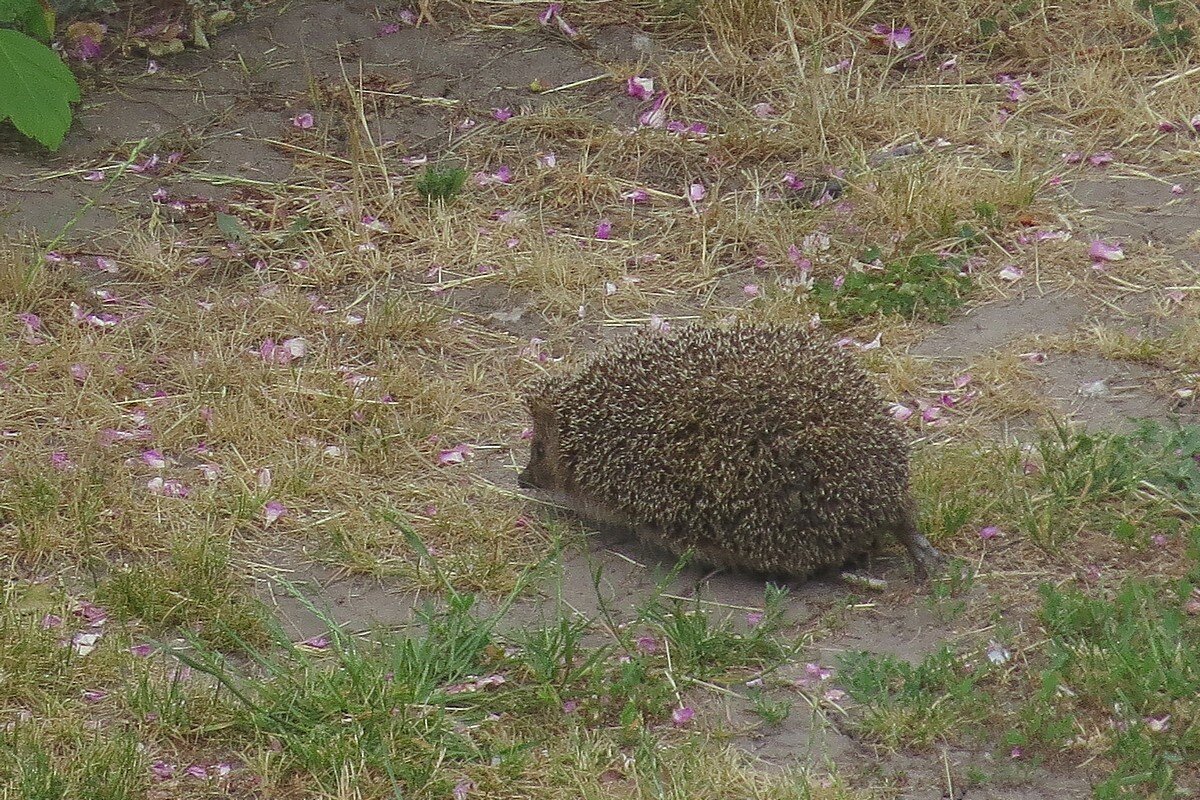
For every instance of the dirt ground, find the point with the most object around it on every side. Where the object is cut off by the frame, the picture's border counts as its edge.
(237, 100)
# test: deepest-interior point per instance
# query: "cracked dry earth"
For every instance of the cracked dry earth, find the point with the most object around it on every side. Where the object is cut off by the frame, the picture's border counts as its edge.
(237, 100)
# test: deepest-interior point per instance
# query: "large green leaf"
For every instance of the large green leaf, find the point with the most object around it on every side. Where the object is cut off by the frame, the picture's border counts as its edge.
(30, 16)
(35, 89)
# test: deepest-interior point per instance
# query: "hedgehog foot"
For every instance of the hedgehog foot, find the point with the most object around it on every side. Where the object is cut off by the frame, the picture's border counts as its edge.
(927, 560)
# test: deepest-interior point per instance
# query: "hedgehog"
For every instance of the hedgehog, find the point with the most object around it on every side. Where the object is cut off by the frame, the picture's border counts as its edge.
(756, 448)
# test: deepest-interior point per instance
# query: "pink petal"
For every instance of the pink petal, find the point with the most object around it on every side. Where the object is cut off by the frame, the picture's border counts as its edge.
(604, 229)
(682, 716)
(763, 110)
(296, 347)
(1103, 251)
(455, 455)
(697, 192)
(900, 412)
(1159, 724)
(639, 88)
(303, 121)
(894, 37)
(162, 771)
(656, 116)
(1011, 272)
(273, 511)
(318, 642)
(750, 290)
(989, 532)
(502, 114)
(1100, 159)
(791, 181)
(154, 459)
(566, 27)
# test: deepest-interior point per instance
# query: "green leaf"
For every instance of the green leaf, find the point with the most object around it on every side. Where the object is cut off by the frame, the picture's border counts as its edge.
(232, 227)
(36, 89)
(28, 15)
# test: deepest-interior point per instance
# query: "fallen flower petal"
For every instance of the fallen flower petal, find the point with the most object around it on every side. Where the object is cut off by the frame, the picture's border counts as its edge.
(682, 716)
(318, 642)
(1104, 251)
(85, 643)
(154, 459)
(1011, 272)
(273, 511)
(162, 771)
(303, 121)
(639, 88)
(455, 455)
(656, 116)
(898, 38)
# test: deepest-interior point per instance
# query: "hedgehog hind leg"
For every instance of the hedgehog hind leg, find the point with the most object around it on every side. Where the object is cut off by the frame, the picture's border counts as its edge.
(927, 559)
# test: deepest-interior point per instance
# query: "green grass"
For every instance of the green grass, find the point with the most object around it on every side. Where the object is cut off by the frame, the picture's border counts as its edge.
(440, 183)
(196, 588)
(1124, 662)
(917, 287)
(914, 706)
(1069, 482)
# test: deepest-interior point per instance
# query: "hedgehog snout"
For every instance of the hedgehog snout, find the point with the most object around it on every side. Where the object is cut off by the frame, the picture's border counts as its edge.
(525, 479)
